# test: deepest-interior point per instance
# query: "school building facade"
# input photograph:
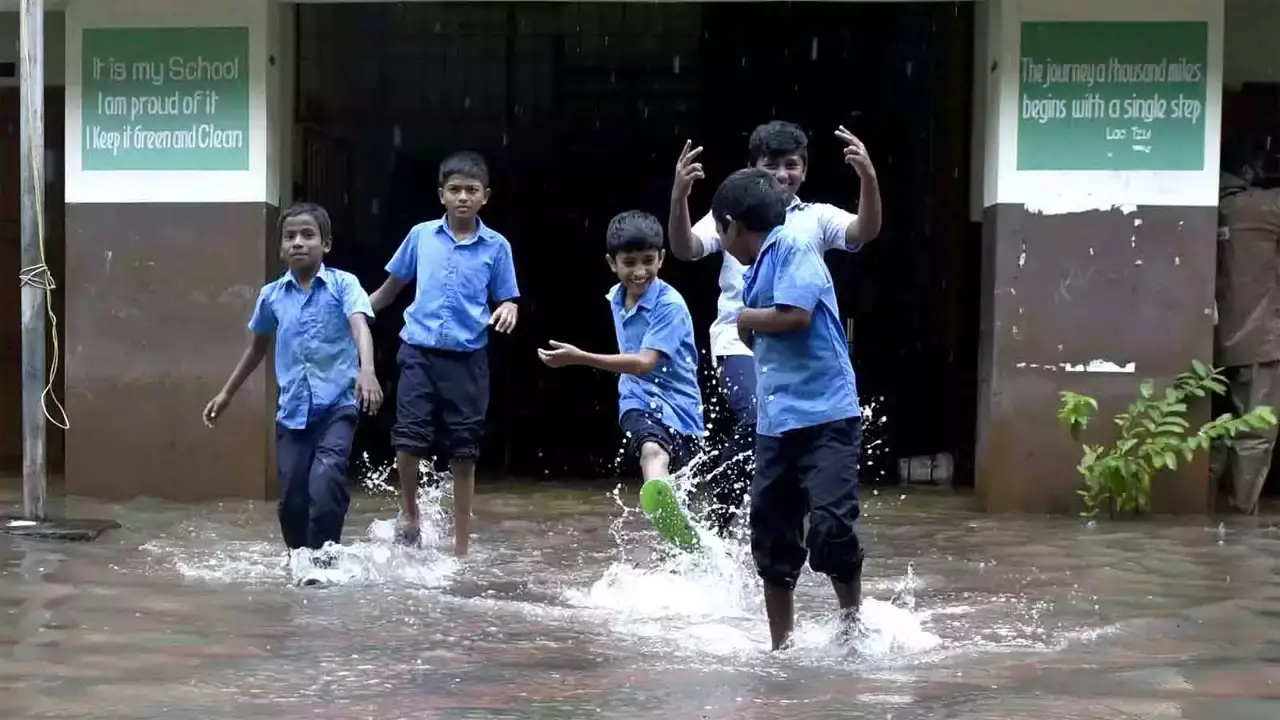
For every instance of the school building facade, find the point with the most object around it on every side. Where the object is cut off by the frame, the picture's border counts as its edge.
(1092, 185)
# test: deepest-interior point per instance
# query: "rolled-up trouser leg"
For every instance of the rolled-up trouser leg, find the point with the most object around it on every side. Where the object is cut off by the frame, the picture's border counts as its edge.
(829, 470)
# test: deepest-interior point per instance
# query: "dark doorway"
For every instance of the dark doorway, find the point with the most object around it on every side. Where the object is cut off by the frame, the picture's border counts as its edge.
(581, 109)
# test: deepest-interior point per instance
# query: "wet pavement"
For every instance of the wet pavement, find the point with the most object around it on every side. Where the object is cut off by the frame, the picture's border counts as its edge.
(564, 610)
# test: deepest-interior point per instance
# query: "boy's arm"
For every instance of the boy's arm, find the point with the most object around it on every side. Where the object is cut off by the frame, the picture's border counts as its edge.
(686, 243)
(402, 268)
(386, 293)
(262, 325)
(799, 279)
(249, 361)
(358, 307)
(639, 363)
(364, 340)
(668, 326)
(503, 287)
(865, 226)
(690, 240)
(503, 291)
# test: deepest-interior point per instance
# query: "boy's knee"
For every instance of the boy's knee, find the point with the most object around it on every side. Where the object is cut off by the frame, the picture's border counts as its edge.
(652, 452)
(777, 565)
(776, 548)
(834, 546)
(412, 439)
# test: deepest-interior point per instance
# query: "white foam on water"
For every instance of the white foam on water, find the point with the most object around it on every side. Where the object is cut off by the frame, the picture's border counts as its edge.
(376, 559)
(711, 602)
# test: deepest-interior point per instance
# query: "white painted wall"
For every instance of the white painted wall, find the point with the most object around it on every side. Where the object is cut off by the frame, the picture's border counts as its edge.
(260, 183)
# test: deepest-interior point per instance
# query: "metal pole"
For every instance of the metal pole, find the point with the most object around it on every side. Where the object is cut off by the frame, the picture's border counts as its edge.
(31, 74)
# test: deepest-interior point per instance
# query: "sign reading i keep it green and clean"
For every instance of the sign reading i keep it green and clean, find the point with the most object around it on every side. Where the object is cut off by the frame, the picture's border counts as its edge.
(165, 99)
(1112, 95)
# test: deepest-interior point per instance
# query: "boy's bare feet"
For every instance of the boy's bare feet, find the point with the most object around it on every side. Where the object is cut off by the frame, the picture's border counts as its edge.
(779, 606)
(408, 531)
(849, 595)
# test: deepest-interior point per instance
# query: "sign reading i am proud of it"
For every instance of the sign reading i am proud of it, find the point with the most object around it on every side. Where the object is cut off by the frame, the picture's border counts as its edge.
(165, 99)
(1112, 95)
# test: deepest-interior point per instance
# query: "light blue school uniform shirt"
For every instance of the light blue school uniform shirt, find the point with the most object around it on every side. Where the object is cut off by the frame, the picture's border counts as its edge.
(803, 378)
(316, 357)
(821, 225)
(456, 281)
(659, 320)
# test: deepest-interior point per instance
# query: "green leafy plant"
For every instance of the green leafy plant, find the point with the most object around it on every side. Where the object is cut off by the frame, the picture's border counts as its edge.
(1154, 436)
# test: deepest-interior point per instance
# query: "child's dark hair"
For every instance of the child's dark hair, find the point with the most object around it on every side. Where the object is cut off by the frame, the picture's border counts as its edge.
(752, 197)
(777, 139)
(633, 231)
(470, 165)
(317, 213)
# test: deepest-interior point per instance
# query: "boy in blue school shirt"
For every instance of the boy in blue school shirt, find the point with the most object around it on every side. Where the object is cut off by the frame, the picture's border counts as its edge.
(659, 403)
(324, 366)
(461, 267)
(808, 428)
(782, 148)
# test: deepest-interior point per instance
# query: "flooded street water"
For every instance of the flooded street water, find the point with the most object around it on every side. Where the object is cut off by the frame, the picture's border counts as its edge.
(564, 611)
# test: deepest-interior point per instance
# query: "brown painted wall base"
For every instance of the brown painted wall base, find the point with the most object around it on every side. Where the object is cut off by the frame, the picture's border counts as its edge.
(156, 322)
(1100, 285)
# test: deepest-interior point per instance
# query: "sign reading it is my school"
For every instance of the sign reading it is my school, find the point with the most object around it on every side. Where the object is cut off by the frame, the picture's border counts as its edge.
(165, 99)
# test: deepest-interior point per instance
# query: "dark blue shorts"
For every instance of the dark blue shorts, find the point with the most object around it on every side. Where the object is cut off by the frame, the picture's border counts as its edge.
(808, 471)
(441, 400)
(728, 484)
(737, 376)
(312, 476)
(640, 427)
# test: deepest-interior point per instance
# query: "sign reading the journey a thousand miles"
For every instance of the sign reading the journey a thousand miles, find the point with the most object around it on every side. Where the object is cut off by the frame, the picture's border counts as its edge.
(1112, 95)
(165, 99)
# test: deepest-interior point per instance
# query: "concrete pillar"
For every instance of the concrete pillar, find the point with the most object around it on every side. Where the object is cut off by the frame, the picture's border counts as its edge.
(175, 143)
(1098, 227)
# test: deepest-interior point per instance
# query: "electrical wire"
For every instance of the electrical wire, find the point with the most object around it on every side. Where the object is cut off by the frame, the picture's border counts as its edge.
(38, 276)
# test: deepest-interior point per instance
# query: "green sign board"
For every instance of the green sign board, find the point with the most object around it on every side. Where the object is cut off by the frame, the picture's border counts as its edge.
(165, 99)
(1112, 95)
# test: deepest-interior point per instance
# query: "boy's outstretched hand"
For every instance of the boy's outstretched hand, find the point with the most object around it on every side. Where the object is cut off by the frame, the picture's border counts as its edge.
(504, 318)
(855, 153)
(214, 409)
(560, 354)
(687, 170)
(368, 392)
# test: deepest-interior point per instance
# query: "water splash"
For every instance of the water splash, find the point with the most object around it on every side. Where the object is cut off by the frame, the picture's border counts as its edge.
(710, 603)
(214, 553)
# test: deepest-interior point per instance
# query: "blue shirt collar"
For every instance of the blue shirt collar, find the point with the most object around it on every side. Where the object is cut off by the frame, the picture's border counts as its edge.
(322, 274)
(618, 296)
(770, 239)
(482, 231)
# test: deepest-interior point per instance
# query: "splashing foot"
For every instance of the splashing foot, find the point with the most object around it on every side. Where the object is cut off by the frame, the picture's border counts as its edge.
(408, 533)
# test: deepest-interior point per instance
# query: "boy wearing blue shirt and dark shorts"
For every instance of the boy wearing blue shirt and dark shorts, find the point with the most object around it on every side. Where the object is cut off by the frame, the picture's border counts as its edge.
(461, 267)
(659, 402)
(324, 366)
(808, 428)
(782, 148)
